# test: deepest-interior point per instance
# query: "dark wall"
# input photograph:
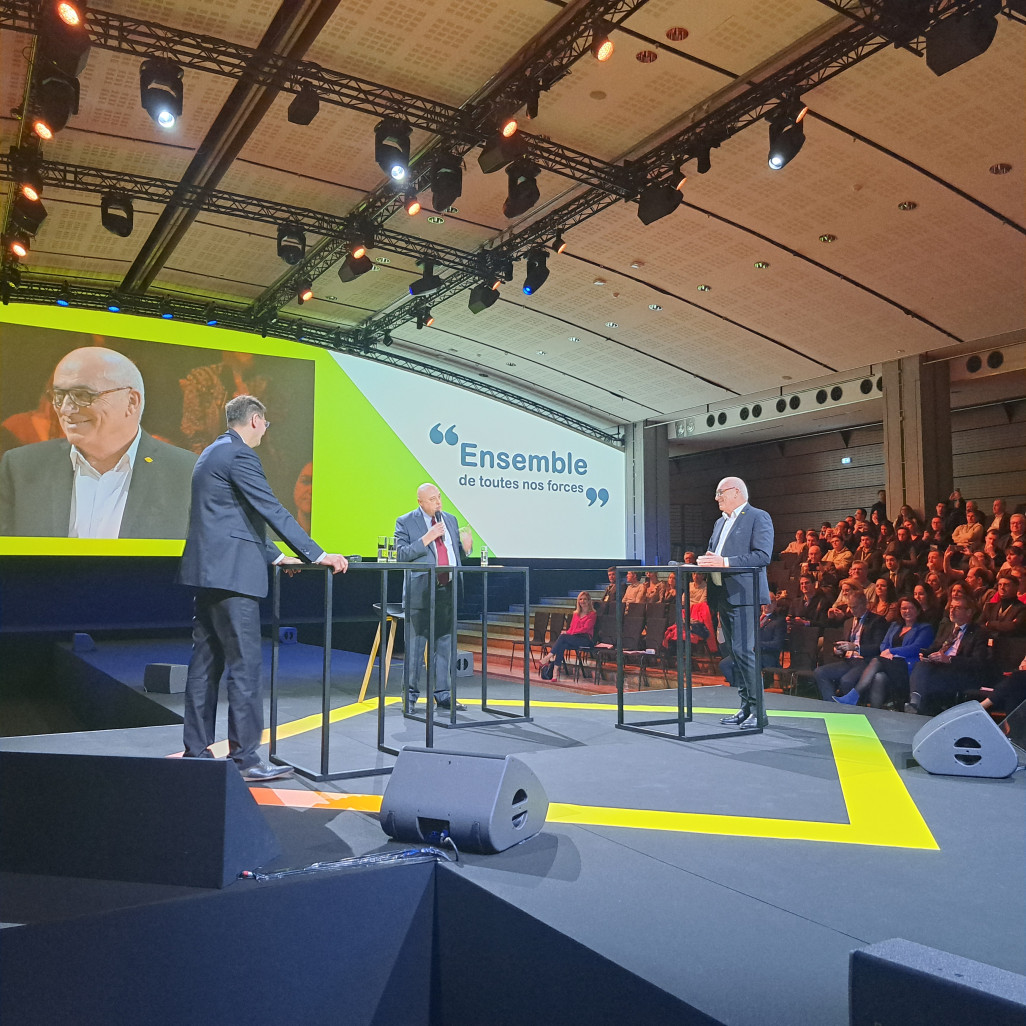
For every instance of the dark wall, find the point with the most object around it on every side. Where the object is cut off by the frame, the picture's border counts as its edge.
(802, 482)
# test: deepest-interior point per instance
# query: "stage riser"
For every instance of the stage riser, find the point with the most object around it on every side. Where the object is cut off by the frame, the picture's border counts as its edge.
(416, 944)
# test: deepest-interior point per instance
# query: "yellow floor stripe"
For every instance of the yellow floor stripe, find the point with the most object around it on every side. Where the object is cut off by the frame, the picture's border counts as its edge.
(880, 809)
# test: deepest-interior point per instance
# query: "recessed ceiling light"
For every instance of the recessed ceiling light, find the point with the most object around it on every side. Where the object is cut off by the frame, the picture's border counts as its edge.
(574, 338)
(827, 237)
(907, 205)
(510, 363)
(654, 306)
(599, 281)
(597, 94)
(705, 288)
(332, 298)
(435, 219)
(1000, 169)
(761, 265)
(677, 34)
(612, 324)
(636, 264)
(384, 260)
(646, 56)
(452, 210)
(786, 377)
(541, 352)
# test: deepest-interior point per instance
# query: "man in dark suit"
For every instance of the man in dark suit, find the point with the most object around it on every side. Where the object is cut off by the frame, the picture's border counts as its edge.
(430, 536)
(107, 478)
(863, 633)
(742, 537)
(958, 660)
(226, 558)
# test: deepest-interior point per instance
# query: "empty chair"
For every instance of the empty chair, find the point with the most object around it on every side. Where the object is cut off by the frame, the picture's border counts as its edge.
(539, 627)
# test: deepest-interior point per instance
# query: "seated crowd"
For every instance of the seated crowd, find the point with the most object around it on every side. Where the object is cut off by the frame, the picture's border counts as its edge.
(920, 607)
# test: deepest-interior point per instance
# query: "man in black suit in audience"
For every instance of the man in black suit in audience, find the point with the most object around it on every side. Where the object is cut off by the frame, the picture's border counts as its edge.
(863, 633)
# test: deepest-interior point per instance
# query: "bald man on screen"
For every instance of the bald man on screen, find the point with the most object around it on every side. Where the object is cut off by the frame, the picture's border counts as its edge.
(107, 478)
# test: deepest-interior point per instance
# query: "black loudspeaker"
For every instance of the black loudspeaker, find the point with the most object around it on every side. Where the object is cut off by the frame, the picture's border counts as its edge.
(485, 803)
(165, 678)
(964, 741)
(900, 983)
(191, 822)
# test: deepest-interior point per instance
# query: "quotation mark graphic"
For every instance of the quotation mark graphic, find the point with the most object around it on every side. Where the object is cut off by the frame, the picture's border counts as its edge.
(602, 495)
(450, 437)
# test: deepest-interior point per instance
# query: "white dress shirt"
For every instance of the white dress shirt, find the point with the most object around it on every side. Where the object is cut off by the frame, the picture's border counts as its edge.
(98, 500)
(729, 520)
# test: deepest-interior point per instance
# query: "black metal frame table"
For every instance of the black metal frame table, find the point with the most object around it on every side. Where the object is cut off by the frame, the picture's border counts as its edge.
(504, 716)
(685, 707)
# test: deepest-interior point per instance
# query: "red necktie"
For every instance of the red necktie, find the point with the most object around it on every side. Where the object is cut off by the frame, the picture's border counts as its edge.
(442, 557)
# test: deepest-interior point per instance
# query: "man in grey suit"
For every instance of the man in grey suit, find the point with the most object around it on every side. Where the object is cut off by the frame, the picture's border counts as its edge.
(430, 536)
(742, 537)
(226, 556)
(107, 478)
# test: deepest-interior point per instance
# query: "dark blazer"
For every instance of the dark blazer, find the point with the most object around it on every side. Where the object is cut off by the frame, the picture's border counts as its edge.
(36, 483)
(815, 610)
(874, 628)
(232, 507)
(750, 543)
(973, 653)
(409, 529)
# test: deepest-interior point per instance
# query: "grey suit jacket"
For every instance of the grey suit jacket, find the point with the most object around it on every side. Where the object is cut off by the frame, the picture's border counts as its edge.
(232, 506)
(409, 529)
(36, 483)
(750, 543)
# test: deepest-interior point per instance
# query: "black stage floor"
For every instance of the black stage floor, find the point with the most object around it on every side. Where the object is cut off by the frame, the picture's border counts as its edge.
(737, 874)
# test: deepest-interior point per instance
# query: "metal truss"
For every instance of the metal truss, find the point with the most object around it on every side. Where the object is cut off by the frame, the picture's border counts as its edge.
(292, 329)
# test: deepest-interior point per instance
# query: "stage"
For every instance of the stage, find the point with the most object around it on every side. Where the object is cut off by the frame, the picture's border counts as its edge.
(736, 875)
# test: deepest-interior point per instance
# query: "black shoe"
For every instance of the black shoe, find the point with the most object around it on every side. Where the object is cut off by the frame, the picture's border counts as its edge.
(737, 719)
(912, 709)
(261, 772)
(460, 707)
(750, 722)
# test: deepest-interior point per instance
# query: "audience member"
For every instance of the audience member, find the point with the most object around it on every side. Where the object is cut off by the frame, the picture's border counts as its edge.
(903, 580)
(580, 634)
(885, 601)
(932, 609)
(863, 633)
(1000, 519)
(798, 546)
(969, 536)
(772, 635)
(1006, 616)
(634, 594)
(879, 508)
(810, 605)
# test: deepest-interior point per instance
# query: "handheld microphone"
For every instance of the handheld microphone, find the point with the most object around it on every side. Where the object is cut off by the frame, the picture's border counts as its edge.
(437, 518)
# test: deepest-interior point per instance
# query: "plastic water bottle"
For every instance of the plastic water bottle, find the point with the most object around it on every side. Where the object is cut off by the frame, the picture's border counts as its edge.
(484, 555)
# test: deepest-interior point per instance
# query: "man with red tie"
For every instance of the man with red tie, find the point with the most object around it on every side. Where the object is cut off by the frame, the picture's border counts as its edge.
(430, 536)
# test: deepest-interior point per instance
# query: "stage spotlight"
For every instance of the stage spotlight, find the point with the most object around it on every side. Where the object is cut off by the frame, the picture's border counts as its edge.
(386, 339)
(113, 303)
(502, 265)
(786, 139)
(509, 128)
(55, 99)
(161, 90)
(656, 201)
(304, 291)
(533, 95)
(291, 244)
(601, 44)
(17, 244)
(428, 282)
(210, 315)
(63, 38)
(64, 295)
(499, 151)
(523, 187)
(27, 216)
(116, 214)
(352, 267)
(482, 297)
(304, 106)
(559, 244)
(958, 38)
(703, 158)
(30, 183)
(392, 148)
(167, 311)
(411, 204)
(537, 271)
(446, 180)
(424, 318)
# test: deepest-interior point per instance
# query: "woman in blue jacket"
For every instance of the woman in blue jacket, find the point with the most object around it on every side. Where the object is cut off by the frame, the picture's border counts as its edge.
(886, 676)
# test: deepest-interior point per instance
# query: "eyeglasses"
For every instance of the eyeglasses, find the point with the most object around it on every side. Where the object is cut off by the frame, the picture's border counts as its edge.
(80, 397)
(723, 491)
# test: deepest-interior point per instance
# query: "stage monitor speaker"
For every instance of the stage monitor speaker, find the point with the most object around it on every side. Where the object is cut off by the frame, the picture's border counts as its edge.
(464, 664)
(190, 822)
(485, 803)
(964, 741)
(165, 678)
(901, 983)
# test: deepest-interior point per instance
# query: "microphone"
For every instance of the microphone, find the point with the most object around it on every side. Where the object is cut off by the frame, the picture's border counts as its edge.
(437, 518)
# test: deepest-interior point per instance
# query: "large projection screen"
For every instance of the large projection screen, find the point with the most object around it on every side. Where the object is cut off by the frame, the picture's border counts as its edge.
(349, 443)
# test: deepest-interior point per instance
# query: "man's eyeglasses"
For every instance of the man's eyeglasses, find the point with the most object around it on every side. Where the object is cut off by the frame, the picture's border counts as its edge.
(80, 397)
(723, 491)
